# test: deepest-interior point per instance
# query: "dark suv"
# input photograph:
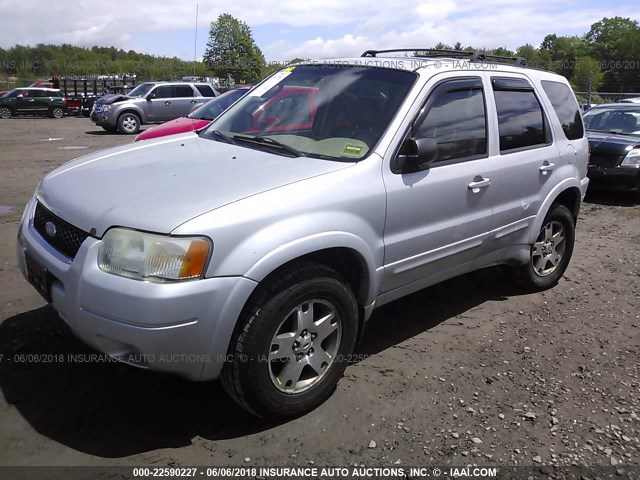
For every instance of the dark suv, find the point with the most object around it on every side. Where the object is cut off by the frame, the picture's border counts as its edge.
(33, 101)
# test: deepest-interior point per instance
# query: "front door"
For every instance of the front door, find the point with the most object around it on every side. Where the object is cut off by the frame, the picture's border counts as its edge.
(439, 219)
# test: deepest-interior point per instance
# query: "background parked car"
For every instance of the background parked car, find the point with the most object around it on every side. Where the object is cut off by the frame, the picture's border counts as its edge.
(150, 102)
(614, 136)
(33, 101)
(199, 118)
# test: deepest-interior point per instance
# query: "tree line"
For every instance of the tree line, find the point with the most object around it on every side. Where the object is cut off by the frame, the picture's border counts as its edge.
(606, 58)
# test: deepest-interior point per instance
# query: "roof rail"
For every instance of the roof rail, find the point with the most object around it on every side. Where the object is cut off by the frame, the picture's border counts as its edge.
(474, 56)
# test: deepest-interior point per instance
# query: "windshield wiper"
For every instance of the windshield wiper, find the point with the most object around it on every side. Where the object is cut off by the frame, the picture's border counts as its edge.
(270, 142)
(221, 136)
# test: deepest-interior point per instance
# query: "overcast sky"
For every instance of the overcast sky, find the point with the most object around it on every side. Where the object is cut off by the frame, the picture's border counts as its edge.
(285, 29)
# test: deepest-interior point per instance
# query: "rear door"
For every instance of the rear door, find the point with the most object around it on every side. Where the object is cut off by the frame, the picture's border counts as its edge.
(526, 156)
(184, 101)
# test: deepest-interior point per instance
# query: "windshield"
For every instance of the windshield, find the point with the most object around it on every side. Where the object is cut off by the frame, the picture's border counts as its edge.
(140, 90)
(613, 120)
(323, 111)
(215, 107)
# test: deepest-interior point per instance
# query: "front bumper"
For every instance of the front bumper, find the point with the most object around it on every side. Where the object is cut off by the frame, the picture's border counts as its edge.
(182, 328)
(614, 177)
(104, 119)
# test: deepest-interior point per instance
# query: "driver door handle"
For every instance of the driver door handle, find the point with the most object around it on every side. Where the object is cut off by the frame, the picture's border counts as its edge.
(478, 183)
(167, 103)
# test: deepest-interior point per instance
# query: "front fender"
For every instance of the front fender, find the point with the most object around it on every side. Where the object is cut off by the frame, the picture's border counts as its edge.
(313, 243)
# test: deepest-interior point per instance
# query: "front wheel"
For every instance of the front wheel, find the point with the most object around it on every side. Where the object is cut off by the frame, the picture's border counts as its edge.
(551, 252)
(5, 112)
(292, 343)
(129, 123)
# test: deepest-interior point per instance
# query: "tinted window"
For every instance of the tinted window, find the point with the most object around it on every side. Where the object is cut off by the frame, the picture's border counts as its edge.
(206, 90)
(566, 108)
(165, 91)
(457, 121)
(183, 91)
(215, 107)
(520, 119)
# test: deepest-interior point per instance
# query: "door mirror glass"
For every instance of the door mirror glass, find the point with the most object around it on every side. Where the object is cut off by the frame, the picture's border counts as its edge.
(416, 155)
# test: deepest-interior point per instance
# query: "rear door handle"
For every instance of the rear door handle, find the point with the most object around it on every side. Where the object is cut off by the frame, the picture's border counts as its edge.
(546, 167)
(478, 183)
(194, 101)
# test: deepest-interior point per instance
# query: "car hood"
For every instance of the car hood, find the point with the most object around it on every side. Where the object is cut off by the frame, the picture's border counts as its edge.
(179, 125)
(110, 98)
(157, 185)
(611, 143)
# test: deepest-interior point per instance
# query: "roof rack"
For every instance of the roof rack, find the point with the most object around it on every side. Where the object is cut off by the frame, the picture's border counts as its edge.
(474, 56)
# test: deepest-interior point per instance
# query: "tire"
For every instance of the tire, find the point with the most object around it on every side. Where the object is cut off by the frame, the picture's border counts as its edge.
(551, 253)
(56, 112)
(110, 129)
(129, 123)
(5, 112)
(303, 372)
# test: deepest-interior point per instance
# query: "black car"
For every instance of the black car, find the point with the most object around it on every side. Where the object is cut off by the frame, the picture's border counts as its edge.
(33, 101)
(614, 137)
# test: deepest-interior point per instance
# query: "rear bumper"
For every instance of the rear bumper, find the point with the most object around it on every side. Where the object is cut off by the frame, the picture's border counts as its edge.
(614, 178)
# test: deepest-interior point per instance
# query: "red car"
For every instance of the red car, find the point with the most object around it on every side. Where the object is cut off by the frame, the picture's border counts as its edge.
(302, 99)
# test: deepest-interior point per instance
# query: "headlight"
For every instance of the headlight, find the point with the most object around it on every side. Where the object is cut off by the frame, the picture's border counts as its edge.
(155, 258)
(632, 159)
(106, 108)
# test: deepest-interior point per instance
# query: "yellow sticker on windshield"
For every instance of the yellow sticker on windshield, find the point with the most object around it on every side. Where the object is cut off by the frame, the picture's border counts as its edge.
(352, 149)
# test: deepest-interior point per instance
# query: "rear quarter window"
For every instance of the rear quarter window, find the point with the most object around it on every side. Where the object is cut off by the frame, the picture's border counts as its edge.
(206, 90)
(566, 108)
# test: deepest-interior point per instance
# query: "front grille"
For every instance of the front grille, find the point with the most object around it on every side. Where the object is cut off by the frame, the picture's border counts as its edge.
(604, 160)
(67, 238)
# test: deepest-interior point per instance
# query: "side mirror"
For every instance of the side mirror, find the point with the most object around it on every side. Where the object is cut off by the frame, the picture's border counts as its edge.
(19, 95)
(151, 96)
(415, 155)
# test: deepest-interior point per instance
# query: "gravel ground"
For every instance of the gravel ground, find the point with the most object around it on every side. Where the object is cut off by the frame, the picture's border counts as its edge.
(472, 371)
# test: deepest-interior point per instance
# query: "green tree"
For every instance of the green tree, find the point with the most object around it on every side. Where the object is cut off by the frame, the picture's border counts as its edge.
(232, 52)
(587, 76)
(615, 42)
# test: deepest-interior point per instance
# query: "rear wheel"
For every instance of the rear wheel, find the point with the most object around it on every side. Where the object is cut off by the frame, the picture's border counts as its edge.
(292, 342)
(56, 112)
(551, 252)
(5, 112)
(129, 123)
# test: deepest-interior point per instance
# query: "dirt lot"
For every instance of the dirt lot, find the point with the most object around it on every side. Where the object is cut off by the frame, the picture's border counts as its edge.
(470, 371)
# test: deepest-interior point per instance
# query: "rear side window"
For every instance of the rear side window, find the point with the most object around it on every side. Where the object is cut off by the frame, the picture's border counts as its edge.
(183, 91)
(521, 121)
(566, 108)
(206, 90)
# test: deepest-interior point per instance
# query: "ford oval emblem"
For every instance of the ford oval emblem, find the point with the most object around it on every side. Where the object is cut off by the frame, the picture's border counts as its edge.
(50, 229)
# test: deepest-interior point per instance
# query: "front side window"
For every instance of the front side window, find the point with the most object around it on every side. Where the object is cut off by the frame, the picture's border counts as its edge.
(566, 108)
(164, 91)
(335, 112)
(456, 119)
(521, 121)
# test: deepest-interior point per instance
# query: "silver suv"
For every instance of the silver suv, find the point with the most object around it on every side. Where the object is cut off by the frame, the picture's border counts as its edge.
(150, 102)
(255, 250)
